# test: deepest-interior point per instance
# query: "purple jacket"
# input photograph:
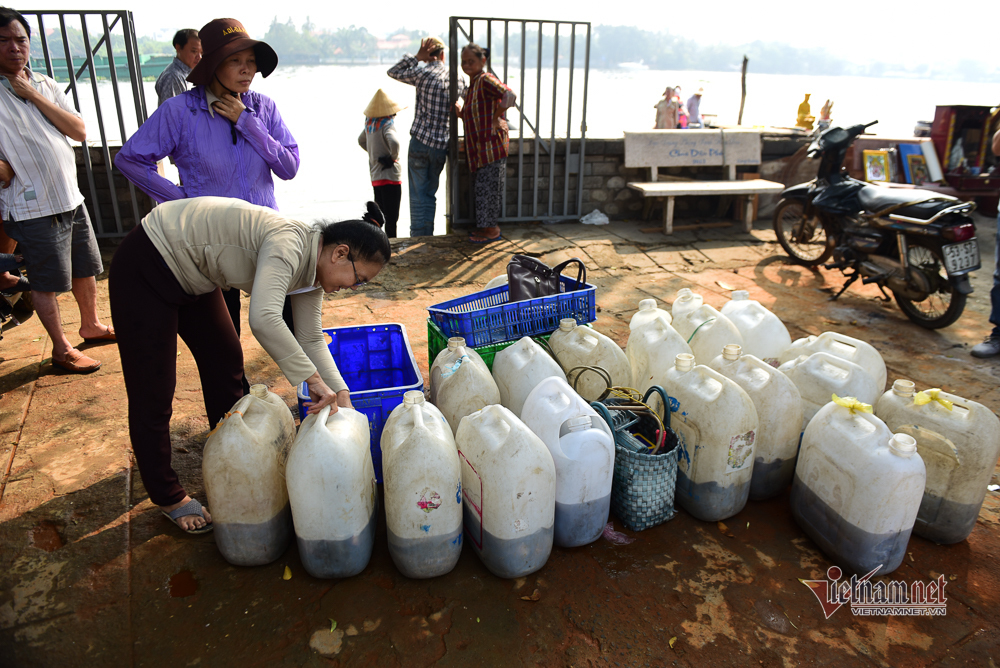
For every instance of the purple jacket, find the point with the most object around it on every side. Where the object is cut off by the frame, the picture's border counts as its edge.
(203, 150)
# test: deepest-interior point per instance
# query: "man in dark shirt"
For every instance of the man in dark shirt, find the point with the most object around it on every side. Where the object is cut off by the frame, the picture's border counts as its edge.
(991, 346)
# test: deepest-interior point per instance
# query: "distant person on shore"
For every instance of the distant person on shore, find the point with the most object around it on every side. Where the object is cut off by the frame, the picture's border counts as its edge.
(173, 80)
(682, 114)
(667, 111)
(694, 109)
(39, 196)
(429, 133)
(990, 347)
(225, 139)
(379, 138)
(486, 139)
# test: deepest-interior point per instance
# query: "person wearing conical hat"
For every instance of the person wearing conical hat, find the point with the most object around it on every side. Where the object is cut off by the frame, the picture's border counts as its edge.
(379, 138)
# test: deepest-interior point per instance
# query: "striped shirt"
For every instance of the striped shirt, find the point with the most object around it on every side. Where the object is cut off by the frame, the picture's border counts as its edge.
(484, 144)
(43, 161)
(432, 116)
(172, 81)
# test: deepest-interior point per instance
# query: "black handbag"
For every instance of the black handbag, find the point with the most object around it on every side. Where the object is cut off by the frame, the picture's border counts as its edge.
(528, 278)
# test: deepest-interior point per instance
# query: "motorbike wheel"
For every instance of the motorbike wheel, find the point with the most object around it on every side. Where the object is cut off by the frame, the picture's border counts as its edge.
(803, 238)
(943, 304)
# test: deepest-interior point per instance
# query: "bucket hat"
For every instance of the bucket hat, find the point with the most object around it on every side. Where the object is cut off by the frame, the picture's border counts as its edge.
(221, 38)
(382, 105)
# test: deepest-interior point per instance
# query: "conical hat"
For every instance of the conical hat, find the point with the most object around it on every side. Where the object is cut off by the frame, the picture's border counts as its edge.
(382, 105)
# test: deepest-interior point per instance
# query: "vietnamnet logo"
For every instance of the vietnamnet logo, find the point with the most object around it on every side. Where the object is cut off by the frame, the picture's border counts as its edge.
(868, 599)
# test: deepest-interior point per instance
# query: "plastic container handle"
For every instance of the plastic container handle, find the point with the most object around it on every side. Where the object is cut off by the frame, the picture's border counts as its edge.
(666, 402)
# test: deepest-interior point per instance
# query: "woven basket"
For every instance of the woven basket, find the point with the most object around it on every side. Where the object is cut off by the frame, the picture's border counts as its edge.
(642, 493)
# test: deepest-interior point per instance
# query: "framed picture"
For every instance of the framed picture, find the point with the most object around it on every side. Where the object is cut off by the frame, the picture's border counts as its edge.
(917, 166)
(905, 151)
(876, 166)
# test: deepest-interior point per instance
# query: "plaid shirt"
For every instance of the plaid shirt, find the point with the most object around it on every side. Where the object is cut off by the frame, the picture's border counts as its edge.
(433, 113)
(484, 144)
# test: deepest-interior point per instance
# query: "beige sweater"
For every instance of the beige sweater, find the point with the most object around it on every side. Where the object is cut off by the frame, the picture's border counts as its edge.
(211, 242)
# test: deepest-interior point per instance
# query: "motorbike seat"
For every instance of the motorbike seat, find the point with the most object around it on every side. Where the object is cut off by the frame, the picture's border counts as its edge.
(918, 204)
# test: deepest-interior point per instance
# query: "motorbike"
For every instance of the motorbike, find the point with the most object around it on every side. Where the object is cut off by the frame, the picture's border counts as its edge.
(918, 244)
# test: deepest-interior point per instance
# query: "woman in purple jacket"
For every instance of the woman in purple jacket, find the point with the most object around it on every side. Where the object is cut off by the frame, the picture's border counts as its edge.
(225, 139)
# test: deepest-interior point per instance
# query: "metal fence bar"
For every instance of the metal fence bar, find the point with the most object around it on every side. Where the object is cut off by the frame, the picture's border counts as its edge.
(45, 47)
(520, 132)
(555, 92)
(538, 120)
(134, 70)
(569, 121)
(452, 213)
(583, 126)
(121, 120)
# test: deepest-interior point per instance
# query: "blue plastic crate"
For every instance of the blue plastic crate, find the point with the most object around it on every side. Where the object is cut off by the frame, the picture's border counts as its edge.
(378, 365)
(487, 316)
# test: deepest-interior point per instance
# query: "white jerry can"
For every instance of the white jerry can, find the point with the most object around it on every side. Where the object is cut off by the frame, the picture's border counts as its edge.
(652, 348)
(647, 311)
(857, 487)
(244, 479)
(764, 335)
(821, 374)
(518, 368)
(423, 489)
(461, 382)
(959, 441)
(508, 492)
(331, 483)
(583, 346)
(583, 450)
(707, 331)
(845, 347)
(716, 426)
(779, 414)
(685, 302)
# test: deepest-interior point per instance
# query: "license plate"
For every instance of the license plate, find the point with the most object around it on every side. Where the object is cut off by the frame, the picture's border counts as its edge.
(961, 257)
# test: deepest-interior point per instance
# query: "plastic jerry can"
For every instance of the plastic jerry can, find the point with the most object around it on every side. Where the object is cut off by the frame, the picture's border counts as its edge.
(583, 450)
(845, 347)
(518, 368)
(461, 382)
(331, 483)
(959, 441)
(508, 492)
(243, 469)
(423, 489)
(583, 346)
(764, 335)
(651, 350)
(684, 302)
(647, 311)
(779, 416)
(496, 282)
(821, 374)
(707, 331)
(857, 487)
(716, 426)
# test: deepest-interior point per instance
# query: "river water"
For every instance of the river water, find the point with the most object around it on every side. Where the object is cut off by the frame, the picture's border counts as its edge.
(323, 104)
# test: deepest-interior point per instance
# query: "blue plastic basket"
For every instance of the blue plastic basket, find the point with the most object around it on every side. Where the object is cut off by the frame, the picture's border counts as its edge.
(378, 365)
(487, 317)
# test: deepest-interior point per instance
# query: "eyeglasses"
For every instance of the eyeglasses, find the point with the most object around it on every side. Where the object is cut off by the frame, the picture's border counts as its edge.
(357, 279)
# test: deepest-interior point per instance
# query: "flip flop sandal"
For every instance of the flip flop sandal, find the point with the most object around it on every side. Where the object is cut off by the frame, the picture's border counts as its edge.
(485, 240)
(109, 335)
(192, 507)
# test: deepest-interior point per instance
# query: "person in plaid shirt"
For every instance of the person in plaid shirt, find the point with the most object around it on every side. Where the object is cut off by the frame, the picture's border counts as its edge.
(429, 132)
(486, 142)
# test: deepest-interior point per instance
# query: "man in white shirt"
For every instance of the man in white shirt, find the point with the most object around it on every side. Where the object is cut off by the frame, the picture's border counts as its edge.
(39, 196)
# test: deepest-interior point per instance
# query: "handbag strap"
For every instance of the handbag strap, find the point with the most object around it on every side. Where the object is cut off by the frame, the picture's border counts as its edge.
(581, 274)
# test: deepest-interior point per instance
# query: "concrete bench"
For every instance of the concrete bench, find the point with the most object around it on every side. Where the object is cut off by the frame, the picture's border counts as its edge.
(696, 148)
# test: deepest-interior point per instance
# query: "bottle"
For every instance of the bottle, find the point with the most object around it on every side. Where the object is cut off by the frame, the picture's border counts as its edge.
(509, 492)
(959, 441)
(583, 450)
(685, 302)
(243, 469)
(647, 311)
(857, 487)
(707, 331)
(423, 489)
(331, 484)
(461, 382)
(651, 350)
(845, 347)
(576, 346)
(779, 414)
(764, 335)
(518, 368)
(821, 375)
(716, 426)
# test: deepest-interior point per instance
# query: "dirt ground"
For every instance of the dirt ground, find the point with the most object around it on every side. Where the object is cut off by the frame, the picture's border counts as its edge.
(93, 575)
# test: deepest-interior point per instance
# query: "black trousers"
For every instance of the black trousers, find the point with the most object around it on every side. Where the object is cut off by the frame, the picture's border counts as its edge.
(387, 197)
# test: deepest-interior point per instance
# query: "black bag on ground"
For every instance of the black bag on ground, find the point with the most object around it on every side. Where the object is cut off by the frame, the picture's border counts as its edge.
(528, 278)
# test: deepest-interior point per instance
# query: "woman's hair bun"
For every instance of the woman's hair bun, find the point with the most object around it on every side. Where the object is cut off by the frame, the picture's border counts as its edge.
(486, 52)
(374, 215)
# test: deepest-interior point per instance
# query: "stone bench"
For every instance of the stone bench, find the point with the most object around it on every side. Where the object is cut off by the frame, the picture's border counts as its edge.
(654, 149)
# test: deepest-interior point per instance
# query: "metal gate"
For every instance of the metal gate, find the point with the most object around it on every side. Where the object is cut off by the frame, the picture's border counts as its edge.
(81, 59)
(557, 45)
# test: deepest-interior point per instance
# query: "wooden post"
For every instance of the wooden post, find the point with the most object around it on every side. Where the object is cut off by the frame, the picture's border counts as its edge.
(743, 97)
